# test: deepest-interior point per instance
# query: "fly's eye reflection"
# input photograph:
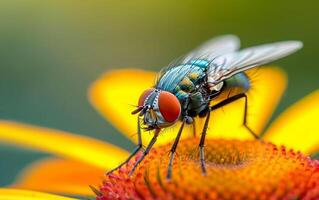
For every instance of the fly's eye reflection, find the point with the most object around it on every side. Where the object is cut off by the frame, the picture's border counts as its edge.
(186, 87)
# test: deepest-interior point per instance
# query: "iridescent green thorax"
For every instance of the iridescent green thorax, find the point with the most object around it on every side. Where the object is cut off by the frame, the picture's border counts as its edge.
(188, 82)
(183, 79)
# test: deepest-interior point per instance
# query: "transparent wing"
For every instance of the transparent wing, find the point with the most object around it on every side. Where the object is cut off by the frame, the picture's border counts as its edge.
(225, 66)
(208, 51)
(213, 47)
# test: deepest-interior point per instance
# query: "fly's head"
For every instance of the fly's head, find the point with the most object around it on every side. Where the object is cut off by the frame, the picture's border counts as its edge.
(159, 108)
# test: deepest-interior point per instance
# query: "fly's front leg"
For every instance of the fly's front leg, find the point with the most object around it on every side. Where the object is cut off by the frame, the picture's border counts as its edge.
(173, 149)
(202, 144)
(232, 99)
(147, 150)
(136, 149)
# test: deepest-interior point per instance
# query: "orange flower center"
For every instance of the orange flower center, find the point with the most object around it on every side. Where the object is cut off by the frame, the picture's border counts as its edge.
(235, 170)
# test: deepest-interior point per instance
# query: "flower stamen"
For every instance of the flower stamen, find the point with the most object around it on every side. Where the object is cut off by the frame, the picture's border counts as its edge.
(235, 170)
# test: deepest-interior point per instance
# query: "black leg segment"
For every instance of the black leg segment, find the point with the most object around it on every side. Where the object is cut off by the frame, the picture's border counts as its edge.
(147, 150)
(173, 149)
(136, 149)
(202, 144)
(232, 99)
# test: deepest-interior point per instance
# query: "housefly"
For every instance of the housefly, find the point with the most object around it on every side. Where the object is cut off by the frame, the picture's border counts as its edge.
(185, 88)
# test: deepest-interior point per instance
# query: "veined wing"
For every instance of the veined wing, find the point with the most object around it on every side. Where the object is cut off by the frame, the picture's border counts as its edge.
(207, 51)
(225, 66)
(212, 48)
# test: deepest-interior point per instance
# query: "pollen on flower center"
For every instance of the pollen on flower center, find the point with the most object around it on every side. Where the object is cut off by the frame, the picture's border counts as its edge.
(223, 154)
(235, 170)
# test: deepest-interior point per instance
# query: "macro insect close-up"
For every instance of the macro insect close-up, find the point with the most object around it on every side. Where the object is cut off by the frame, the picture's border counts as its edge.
(159, 100)
(186, 87)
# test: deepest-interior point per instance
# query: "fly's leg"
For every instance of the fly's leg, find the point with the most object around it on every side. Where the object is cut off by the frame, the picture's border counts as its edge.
(245, 118)
(232, 99)
(215, 107)
(202, 144)
(194, 129)
(147, 150)
(173, 149)
(136, 149)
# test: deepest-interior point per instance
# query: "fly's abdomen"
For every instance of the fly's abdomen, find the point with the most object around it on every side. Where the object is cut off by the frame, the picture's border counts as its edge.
(240, 80)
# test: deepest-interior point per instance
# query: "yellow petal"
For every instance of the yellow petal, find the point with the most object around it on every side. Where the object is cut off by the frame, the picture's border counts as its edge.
(85, 149)
(14, 194)
(115, 93)
(297, 127)
(267, 87)
(57, 175)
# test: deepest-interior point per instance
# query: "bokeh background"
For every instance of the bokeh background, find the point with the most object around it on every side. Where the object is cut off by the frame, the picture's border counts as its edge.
(50, 52)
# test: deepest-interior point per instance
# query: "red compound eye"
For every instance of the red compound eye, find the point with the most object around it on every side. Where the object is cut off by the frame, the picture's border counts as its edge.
(169, 106)
(144, 95)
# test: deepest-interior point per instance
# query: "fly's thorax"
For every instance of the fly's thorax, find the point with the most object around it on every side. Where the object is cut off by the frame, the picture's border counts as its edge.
(189, 85)
(159, 108)
(184, 76)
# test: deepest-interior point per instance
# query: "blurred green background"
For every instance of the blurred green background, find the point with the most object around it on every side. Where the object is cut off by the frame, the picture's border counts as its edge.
(50, 52)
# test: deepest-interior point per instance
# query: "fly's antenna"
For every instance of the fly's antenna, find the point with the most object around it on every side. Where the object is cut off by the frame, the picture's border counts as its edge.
(144, 109)
(140, 109)
(137, 110)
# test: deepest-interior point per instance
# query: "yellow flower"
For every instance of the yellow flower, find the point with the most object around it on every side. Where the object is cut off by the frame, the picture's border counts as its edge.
(237, 166)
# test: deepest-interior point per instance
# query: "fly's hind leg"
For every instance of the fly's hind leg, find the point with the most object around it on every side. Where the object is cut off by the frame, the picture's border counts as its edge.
(232, 99)
(215, 107)
(245, 118)
(136, 149)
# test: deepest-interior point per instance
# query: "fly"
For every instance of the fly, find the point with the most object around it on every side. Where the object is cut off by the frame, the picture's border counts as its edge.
(185, 87)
